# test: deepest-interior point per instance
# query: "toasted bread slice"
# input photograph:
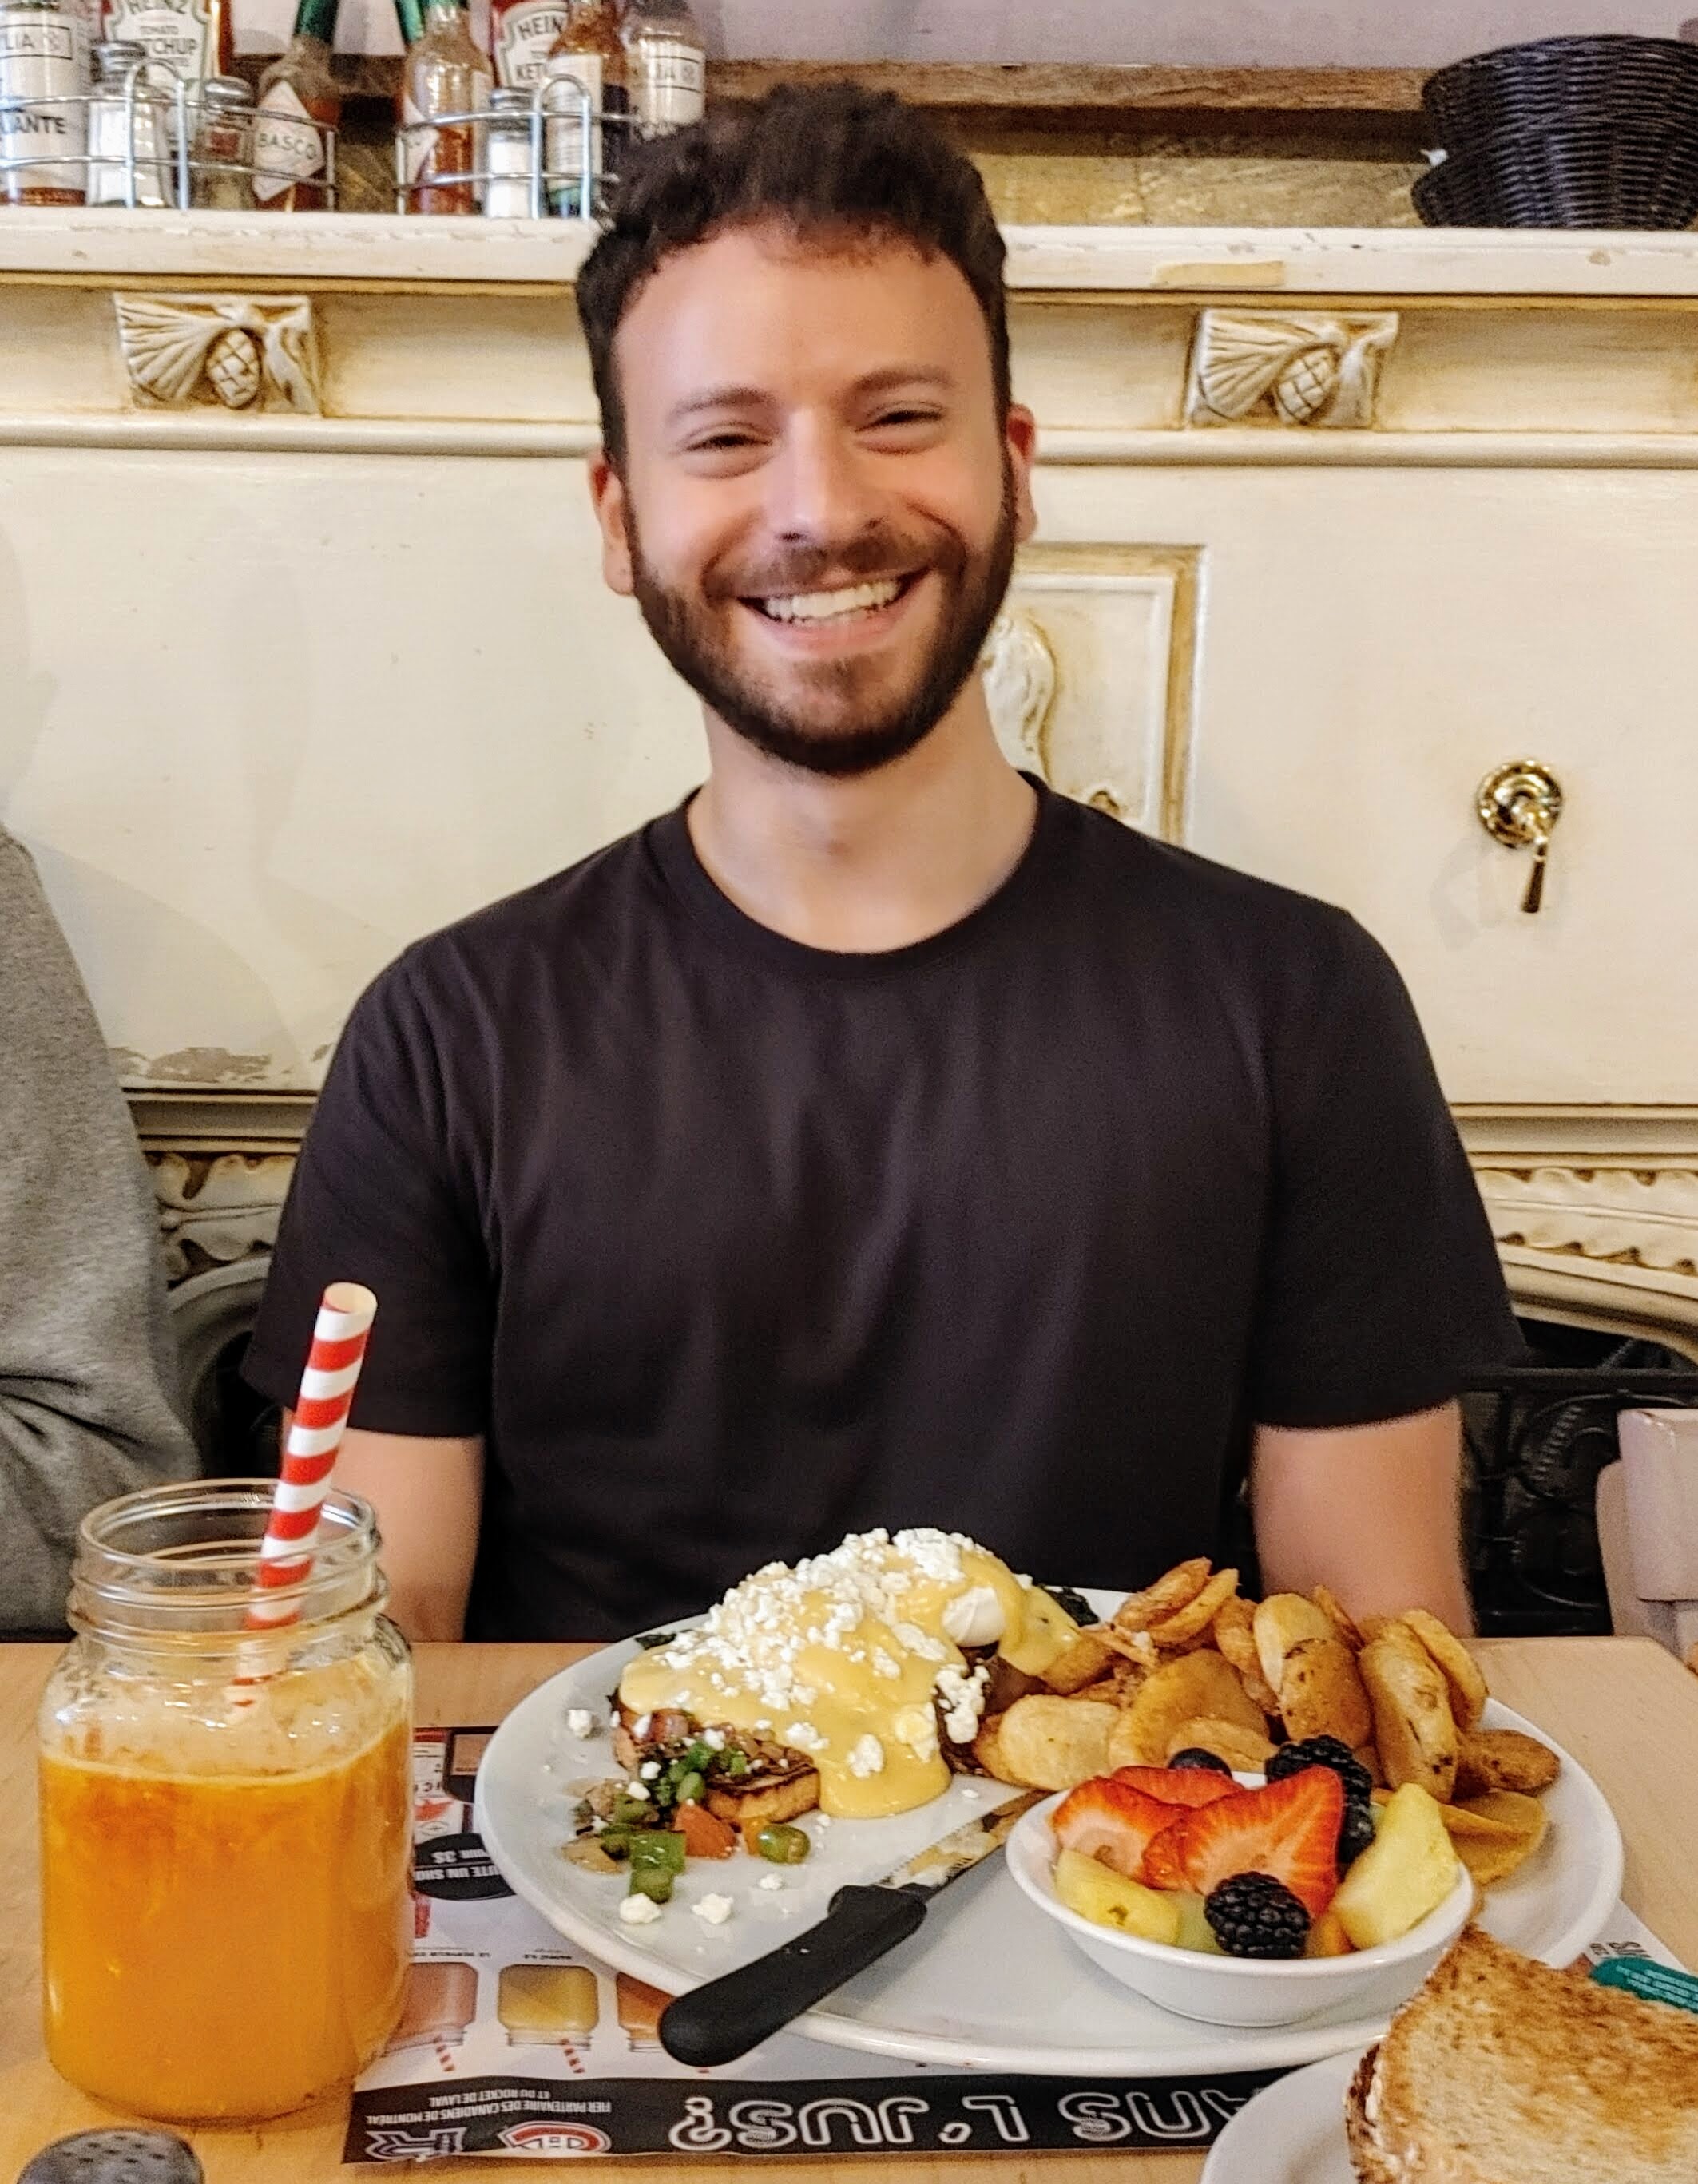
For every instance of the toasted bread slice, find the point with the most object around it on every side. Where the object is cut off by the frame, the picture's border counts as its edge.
(1502, 2071)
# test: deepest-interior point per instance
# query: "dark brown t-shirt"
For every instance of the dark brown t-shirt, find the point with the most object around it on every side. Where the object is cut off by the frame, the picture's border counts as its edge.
(730, 1245)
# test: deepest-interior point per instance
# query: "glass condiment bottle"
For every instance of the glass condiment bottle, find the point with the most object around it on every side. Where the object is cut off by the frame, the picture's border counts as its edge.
(298, 100)
(221, 158)
(510, 155)
(193, 38)
(39, 62)
(590, 53)
(521, 35)
(226, 1840)
(127, 128)
(446, 73)
(666, 65)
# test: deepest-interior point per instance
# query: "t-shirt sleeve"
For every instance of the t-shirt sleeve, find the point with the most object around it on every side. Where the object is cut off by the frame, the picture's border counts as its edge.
(376, 1199)
(1381, 1290)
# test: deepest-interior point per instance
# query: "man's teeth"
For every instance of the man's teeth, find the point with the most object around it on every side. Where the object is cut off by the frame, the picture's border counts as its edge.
(832, 606)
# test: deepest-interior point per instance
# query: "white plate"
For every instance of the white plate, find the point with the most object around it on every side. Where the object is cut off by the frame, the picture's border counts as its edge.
(990, 1981)
(1292, 2132)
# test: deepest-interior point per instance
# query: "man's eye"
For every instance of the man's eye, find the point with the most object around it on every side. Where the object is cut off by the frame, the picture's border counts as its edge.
(886, 418)
(718, 442)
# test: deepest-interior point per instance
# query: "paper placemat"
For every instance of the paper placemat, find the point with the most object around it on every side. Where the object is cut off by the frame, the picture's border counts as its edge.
(514, 2043)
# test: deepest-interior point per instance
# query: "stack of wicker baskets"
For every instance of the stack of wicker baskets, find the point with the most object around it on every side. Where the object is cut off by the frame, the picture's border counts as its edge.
(1566, 132)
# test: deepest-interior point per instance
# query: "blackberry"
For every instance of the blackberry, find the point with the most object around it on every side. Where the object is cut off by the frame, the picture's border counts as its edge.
(1355, 1831)
(1254, 1915)
(1194, 1756)
(1324, 1752)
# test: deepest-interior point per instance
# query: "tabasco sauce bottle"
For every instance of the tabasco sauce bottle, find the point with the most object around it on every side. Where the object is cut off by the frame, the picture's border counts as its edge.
(191, 37)
(296, 92)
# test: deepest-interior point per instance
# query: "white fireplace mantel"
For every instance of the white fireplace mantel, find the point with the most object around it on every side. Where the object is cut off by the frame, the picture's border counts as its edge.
(305, 648)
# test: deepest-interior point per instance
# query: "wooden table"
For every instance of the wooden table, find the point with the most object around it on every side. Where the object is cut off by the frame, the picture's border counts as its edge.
(1627, 1710)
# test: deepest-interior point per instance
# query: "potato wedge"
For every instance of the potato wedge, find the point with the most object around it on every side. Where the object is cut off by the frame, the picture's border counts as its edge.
(1051, 1743)
(1193, 1619)
(1504, 1759)
(1245, 1749)
(1322, 1695)
(1283, 1620)
(1330, 1605)
(1414, 1728)
(1456, 1664)
(1234, 1635)
(986, 1750)
(1178, 1690)
(1176, 1589)
(1082, 1661)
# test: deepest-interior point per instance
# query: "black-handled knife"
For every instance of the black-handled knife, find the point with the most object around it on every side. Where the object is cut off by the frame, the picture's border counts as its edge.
(726, 2018)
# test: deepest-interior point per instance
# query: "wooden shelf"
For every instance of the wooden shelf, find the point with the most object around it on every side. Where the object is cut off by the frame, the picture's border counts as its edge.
(1045, 95)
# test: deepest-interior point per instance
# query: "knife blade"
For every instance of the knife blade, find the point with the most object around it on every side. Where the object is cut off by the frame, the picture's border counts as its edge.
(725, 2017)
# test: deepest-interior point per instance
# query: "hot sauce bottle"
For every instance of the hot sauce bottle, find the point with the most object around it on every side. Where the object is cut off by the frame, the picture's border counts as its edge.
(446, 72)
(296, 92)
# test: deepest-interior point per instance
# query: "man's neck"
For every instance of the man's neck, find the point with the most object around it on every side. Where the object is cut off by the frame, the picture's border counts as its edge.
(873, 862)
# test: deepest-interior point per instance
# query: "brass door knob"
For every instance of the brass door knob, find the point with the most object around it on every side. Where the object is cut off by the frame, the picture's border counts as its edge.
(1519, 804)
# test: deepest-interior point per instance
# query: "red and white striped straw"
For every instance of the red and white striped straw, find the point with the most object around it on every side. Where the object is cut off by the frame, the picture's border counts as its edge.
(327, 1395)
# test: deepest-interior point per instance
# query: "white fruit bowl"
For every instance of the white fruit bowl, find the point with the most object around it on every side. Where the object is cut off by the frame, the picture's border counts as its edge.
(1232, 1990)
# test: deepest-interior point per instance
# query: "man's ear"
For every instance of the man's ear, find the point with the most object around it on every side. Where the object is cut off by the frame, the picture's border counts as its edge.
(1021, 434)
(607, 499)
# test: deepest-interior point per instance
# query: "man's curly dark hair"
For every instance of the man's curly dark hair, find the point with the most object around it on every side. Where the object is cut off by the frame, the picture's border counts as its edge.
(825, 160)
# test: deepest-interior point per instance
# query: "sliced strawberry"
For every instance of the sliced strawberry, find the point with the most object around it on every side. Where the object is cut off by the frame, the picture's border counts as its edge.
(1164, 1860)
(1178, 1786)
(1111, 1821)
(1289, 1828)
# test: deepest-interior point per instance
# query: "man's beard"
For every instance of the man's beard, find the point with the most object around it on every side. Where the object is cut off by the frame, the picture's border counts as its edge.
(688, 629)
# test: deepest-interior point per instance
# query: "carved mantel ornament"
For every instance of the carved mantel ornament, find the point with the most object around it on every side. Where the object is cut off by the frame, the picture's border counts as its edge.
(223, 352)
(1289, 368)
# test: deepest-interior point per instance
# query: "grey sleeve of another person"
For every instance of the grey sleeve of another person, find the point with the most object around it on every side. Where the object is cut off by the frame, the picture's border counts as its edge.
(87, 1373)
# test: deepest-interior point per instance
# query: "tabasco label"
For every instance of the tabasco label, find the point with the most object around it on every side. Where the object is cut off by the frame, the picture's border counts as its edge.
(287, 147)
(521, 34)
(180, 33)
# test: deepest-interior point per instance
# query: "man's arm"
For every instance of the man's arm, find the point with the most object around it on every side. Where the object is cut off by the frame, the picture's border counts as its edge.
(87, 1372)
(426, 1493)
(1373, 1511)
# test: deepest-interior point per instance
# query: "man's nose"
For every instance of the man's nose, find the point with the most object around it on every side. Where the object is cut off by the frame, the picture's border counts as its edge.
(822, 492)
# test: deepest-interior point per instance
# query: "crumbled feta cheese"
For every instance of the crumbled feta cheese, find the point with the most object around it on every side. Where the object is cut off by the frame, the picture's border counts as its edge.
(714, 1739)
(974, 1618)
(640, 1790)
(713, 1910)
(884, 1663)
(641, 1726)
(963, 1694)
(580, 1722)
(805, 1737)
(867, 1758)
(638, 1910)
(770, 1881)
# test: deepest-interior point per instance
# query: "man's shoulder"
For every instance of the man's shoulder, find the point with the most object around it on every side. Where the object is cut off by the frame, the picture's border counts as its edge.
(574, 916)
(1206, 906)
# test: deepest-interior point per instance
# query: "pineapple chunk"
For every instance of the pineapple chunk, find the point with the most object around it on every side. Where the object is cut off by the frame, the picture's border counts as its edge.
(1407, 1871)
(1327, 1937)
(1108, 1898)
(1195, 1931)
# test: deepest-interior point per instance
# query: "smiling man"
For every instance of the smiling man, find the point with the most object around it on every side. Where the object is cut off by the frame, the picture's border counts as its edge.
(879, 1138)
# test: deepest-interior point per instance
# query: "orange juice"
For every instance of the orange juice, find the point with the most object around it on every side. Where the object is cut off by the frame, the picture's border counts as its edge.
(224, 1946)
(226, 1811)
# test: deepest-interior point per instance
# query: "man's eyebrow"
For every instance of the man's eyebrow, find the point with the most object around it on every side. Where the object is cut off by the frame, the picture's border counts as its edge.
(717, 398)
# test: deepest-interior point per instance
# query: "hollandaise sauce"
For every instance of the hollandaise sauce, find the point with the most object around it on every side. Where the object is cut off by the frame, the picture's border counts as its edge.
(840, 1657)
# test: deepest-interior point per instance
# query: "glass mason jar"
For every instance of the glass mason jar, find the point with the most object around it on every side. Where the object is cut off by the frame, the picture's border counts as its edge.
(225, 1812)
